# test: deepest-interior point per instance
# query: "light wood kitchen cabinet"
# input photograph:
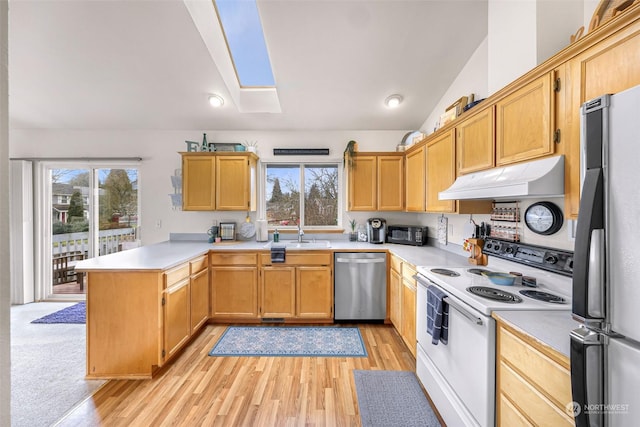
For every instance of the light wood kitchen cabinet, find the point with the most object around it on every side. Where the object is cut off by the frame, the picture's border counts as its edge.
(475, 142)
(278, 296)
(441, 171)
(177, 326)
(299, 289)
(415, 176)
(137, 320)
(395, 281)
(199, 292)
(524, 122)
(376, 182)
(234, 286)
(533, 382)
(408, 302)
(219, 181)
(610, 66)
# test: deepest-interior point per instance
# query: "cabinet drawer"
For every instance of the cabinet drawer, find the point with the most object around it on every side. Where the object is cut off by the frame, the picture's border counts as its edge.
(539, 369)
(408, 271)
(297, 258)
(176, 274)
(234, 259)
(530, 400)
(396, 263)
(510, 416)
(198, 264)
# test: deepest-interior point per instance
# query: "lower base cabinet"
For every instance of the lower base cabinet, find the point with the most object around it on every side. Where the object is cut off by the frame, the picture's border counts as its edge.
(533, 382)
(402, 301)
(314, 292)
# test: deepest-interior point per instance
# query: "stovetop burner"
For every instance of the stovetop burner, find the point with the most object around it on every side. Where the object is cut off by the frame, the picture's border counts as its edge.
(543, 296)
(477, 271)
(494, 294)
(445, 272)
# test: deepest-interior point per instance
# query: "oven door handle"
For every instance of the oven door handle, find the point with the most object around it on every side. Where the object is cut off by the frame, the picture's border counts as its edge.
(426, 282)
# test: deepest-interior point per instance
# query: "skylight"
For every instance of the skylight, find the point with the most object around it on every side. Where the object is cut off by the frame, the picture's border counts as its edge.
(243, 32)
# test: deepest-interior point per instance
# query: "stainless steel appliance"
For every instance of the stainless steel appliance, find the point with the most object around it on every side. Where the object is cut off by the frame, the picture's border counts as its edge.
(460, 376)
(360, 286)
(376, 230)
(605, 351)
(407, 235)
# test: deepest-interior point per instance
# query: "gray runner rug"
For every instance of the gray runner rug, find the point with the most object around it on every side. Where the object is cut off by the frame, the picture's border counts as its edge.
(392, 398)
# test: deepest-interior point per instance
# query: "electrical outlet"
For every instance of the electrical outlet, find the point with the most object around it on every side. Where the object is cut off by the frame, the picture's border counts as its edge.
(158, 223)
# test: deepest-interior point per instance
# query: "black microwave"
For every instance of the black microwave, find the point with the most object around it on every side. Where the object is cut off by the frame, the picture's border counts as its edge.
(407, 235)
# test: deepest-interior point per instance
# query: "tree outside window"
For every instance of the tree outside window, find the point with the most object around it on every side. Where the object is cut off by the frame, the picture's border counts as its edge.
(318, 184)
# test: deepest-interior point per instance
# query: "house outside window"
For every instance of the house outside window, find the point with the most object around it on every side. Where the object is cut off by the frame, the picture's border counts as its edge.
(304, 193)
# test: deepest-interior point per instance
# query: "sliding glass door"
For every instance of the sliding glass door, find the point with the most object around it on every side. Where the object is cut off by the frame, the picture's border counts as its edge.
(89, 211)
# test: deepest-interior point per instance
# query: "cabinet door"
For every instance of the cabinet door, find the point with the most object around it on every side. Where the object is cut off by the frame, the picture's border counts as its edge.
(415, 180)
(199, 299)
(198, 182)
(234, 292)
(409, 314)
(232, 183)
(362, 183)
(177, 328)
(278, 292)
(390, 183)
(441, 173)
(395, 313)
(314, 292)
(524, 123)
(608, 67)
(475, 142)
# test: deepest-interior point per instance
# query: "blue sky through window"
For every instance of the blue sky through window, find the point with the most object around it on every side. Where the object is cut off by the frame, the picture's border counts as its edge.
(243, 30)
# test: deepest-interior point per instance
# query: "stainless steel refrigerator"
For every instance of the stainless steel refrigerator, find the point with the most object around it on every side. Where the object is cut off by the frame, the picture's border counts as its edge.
(605, 350)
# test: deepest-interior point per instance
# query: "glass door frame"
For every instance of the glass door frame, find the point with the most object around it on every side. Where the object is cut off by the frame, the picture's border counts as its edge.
(43, 224)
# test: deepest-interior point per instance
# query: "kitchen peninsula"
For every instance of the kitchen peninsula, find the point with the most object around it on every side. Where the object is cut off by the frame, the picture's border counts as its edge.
(145, 304)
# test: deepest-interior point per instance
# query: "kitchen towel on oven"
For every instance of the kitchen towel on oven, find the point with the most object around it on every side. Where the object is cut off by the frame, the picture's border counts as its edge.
(437, 316)
(278, 254)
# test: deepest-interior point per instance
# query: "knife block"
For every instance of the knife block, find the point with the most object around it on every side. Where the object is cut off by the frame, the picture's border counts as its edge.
(477, 257)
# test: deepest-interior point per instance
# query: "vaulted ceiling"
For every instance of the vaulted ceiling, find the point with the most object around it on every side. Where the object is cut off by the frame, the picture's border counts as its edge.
(133, 64)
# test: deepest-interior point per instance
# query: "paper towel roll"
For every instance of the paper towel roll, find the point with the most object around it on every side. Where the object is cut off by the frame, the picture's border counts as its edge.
(262, 233)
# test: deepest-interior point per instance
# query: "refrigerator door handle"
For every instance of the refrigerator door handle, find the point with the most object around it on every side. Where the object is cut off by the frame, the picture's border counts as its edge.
(589, 254)
(587, 378)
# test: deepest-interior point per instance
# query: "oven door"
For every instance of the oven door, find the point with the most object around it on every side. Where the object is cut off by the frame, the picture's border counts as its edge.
(459, 376)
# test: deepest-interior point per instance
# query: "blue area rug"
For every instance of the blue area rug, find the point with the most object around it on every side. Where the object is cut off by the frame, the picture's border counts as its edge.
(392, 398)
(77, 313)
(290, 341)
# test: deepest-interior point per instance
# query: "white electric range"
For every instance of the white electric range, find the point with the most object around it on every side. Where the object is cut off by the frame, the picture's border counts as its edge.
(460, 376)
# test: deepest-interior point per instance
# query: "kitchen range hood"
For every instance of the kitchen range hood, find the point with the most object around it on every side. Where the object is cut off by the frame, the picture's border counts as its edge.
(539, 178)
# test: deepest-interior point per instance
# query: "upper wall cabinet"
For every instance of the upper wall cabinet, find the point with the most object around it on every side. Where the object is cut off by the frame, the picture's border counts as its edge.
(415, 177)
(441, 171)
(475, 142)
(219, 181)
(376, 182)
(610, 66)
(525, 124)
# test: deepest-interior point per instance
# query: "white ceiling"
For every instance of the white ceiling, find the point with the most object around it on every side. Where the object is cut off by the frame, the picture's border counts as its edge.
(115, 64)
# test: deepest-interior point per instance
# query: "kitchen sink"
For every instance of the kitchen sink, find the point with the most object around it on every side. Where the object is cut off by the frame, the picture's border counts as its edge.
(305, 244)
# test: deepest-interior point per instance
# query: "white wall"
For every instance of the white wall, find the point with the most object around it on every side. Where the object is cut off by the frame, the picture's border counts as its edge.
(5, 348)
(159, 150)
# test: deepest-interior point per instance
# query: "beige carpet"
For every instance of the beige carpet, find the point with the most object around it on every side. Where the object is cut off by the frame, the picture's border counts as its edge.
(48, 365)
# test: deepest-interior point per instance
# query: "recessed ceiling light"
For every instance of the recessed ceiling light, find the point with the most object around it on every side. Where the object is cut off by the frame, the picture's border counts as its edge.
(216, 100)
(393, 101)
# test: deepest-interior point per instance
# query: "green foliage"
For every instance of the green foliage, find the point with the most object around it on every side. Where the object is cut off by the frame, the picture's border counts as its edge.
(76, 207)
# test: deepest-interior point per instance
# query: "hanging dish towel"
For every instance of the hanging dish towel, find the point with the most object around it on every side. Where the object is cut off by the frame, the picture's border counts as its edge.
(278, 254)
(437, 316)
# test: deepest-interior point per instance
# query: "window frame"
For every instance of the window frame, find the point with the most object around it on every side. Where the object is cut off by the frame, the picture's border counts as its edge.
(262, 205)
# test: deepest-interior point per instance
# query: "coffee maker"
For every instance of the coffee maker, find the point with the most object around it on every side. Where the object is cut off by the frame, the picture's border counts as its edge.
(376, 230)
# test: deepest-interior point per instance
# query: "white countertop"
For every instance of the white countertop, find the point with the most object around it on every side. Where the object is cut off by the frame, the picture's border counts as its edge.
(550, 328)
(162, 256)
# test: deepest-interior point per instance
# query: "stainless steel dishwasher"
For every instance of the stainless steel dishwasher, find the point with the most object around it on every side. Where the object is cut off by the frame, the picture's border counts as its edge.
(360, 285)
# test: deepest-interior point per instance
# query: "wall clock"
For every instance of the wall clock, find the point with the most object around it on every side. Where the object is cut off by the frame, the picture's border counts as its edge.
(543, 218)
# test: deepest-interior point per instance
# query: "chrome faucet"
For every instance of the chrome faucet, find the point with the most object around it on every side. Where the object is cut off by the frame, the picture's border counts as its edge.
(300, 233)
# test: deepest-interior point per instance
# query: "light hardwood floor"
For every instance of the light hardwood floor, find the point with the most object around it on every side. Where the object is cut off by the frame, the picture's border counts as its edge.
(199, 390)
